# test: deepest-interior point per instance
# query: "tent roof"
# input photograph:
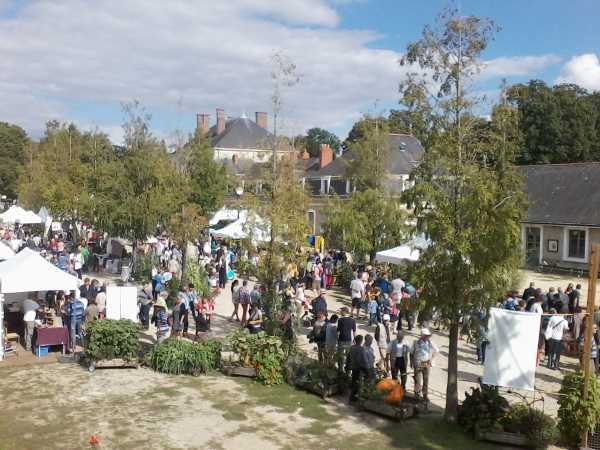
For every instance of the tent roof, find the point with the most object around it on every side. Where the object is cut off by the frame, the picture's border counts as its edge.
(410, 251)
(5, 251)
(27, 271)
(227, 214)
(16, 214)
(238, 229)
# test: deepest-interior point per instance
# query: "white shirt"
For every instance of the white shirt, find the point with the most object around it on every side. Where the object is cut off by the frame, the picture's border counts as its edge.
(397, 285)
(78, 261)
(423, 350)
(557, 326)
(358, 288)
(29, 309)
(398, 350)
(536, 308)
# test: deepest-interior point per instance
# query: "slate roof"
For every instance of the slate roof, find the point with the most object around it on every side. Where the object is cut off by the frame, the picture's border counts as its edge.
(242, 133)
(406, 153)
(563, 194)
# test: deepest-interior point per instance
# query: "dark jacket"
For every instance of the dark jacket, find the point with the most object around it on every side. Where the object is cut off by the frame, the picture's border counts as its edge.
(357, 358)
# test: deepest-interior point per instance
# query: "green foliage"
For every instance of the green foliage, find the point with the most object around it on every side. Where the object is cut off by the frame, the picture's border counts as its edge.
(317, 136)
(482, 409)
(142, 272)
(560, 124)
(112, 339)
(180, 356)
(264, 352)
(367, 222)
(320, 376)
(13, 141)
(173, 286)
(577, 416)
(371, 155)
(344, 275)
(539, 428)
(196, 274)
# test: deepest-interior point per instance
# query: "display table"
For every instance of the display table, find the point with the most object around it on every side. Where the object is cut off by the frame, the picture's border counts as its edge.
(45, 336)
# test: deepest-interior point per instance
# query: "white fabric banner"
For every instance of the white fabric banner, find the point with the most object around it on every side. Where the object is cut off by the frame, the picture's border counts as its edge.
(121, 303)
(510, 356)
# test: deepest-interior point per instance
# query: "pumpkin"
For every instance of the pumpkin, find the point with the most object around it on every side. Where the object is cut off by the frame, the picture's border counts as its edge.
(386, 385)
(394, 397)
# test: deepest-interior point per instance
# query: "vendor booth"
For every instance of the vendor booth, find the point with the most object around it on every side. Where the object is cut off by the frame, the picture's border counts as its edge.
(410, 251)
(6, 251)
(28, 272)
(247, 226)
(16, 214)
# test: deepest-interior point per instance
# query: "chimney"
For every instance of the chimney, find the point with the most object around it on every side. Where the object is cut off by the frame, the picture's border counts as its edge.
(305, 155)
(261, 119)
(326, 155)
(220, 120)
(202, 122)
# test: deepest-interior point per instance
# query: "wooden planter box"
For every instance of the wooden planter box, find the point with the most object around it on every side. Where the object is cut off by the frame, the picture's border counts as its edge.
(321, 391)
(503, 437)
(402, 412)
(112, 363)
(240, 371)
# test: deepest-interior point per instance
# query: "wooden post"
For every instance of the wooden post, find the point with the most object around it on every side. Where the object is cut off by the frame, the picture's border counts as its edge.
(589, 323)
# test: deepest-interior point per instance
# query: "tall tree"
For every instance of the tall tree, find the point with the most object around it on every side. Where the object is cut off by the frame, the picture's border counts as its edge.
(13, 141)
(371, 154)
(317, 136)
(469, 207)
(369, 221)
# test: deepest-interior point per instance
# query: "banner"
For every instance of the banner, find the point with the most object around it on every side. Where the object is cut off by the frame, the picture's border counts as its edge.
(510, 356)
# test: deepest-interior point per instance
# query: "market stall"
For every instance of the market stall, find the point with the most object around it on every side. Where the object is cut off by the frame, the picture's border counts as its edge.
(410, 251)
(247, 226)
(28, 272)
(6, 251)
(16, 214)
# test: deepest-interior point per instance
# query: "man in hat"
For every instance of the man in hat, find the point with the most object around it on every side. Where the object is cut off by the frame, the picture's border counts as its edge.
(161, 318)
(422, 355)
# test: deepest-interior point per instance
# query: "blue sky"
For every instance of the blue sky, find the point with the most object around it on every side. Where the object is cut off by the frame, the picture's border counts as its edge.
(77, 60)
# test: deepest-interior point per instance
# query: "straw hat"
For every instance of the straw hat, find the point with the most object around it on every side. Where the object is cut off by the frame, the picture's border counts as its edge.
(425, 332)
(161, 303)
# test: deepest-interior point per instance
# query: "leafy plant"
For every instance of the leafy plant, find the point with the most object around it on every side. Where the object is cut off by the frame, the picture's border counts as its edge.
(539, 428)
(577, 416)
(179, 356)
(111, 339)
(264, 352)
(196, 275)
(142, 271)
(482, 409)
(173, 286)
(344, 275)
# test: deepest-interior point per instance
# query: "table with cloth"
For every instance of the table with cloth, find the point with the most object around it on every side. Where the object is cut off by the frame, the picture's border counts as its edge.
(44, 336)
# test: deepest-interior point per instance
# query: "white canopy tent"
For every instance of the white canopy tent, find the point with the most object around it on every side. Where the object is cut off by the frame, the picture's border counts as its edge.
(27, 271)
(227, 214)
(410, 251)
(5, 251)
(242, 228)
(16, 214)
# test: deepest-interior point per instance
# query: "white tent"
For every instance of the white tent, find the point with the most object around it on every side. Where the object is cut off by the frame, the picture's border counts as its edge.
(16, 214)
(227, 214)
(241, 229)
(410, 251)
(5, 251)
(27, 271)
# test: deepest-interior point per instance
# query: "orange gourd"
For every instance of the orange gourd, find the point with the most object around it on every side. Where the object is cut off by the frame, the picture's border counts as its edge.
(386, 385)
(394, 397)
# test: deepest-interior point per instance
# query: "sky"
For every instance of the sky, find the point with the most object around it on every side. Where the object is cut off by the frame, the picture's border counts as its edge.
(80, 60)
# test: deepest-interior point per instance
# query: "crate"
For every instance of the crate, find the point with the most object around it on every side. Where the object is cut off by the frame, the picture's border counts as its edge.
(42, 350)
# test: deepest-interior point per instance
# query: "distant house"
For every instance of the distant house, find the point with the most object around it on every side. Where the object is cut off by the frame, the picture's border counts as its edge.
(241, 138)
(325, 176)
(563, 216)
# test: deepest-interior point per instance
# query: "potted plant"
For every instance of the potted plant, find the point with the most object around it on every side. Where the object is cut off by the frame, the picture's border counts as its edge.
(180, 356)
(112, 343)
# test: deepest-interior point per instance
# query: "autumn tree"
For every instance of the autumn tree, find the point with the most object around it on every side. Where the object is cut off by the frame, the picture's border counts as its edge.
(465, 199)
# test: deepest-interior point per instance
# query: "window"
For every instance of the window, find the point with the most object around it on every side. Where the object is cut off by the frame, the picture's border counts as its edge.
(576, 244)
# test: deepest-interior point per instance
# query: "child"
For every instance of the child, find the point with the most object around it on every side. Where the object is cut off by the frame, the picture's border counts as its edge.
(209, 309)
(372, 308)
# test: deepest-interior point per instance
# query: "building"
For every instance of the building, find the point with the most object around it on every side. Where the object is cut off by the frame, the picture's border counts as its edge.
(241, 138)
(325, 176)
(563, 215)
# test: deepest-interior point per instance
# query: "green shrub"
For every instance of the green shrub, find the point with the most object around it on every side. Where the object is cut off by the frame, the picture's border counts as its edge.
(112, 339)
(482, 409)
(265, 353)
(539, 428)
(196, 275)
(179, 356)
(142, 270)
(576, 416)
(344, 275)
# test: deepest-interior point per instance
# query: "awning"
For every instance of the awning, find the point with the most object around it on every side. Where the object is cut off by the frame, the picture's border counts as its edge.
(16, 214)
(410, 251)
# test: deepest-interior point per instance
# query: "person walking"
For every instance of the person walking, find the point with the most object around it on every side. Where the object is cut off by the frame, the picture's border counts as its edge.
(397, 355)
(244, 301)
(554, 334)
(161, 319)
(235, 299)
(382, 337)
(422, 356)
(357, 288)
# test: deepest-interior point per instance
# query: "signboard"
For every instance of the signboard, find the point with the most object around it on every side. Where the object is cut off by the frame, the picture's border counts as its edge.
(121, 303)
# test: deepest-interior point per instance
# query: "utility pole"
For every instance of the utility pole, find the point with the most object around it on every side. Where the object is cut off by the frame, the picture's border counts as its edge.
(589, 323)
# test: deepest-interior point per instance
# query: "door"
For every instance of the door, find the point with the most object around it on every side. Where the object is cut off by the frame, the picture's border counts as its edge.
(533, 242)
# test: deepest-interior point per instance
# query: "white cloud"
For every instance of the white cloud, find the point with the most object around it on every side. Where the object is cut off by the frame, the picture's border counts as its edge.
(517, 66)
(186, 56)
(583, 70)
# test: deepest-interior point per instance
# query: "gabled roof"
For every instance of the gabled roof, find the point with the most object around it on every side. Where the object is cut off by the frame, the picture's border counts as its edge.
(406, 152)
(242, 133)
(563, 194)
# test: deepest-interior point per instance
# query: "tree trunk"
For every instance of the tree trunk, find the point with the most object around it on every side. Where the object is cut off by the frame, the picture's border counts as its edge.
(184, 264)
(452, 386)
